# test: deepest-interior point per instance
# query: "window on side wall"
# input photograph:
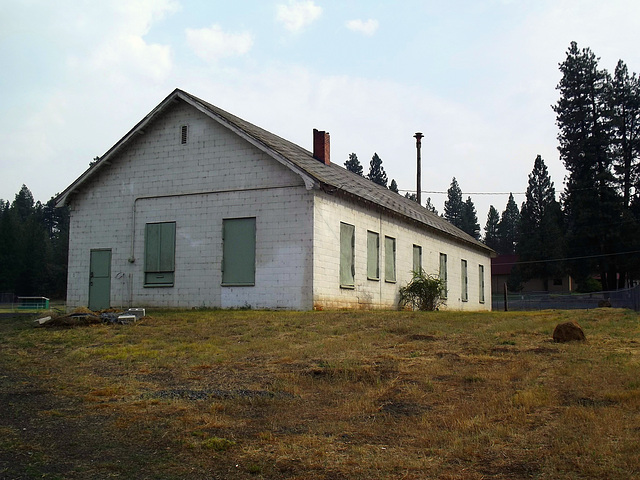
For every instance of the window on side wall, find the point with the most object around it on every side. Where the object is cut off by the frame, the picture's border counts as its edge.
(373, 255)
(442, 274)
(389, 259)
(417, 259)
(159, 254)
(481, 282)
(464, 296)
(347, 255)
(239, 251)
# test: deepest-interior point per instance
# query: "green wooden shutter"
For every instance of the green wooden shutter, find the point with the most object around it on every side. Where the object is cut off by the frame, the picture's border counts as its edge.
(152, 248)
(239, 251)
(389, 259)
(373, 255)
(443, 274)
(465, 281)
(481, 283)
(417, 259)
(347, 255)
(159, 253)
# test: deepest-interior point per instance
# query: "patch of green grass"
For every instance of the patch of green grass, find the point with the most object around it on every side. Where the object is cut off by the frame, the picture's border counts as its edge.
(218, 444)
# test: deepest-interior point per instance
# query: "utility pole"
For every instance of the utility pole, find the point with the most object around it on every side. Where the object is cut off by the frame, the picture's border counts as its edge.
(418, 136)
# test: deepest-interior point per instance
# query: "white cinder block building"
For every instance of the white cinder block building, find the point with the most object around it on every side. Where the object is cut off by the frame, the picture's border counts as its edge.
(195, 207)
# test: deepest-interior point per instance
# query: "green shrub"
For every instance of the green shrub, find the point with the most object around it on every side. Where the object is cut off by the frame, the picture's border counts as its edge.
(423, 292)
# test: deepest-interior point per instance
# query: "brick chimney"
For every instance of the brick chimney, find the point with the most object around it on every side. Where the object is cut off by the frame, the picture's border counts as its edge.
(321, 146)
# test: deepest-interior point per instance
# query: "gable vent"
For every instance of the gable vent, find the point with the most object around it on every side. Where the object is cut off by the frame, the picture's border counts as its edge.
(184, 130)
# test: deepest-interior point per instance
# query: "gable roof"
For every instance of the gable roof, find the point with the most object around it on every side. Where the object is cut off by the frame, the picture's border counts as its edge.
(332, 178)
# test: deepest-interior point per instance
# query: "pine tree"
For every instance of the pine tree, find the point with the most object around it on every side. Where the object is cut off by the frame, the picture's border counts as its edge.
(376, 171)
(541, 230)
(411, 196)
(469, 219)
(393, 186)
(353, 164)
(592, 204)
(508, 227)
(33, 246)
(491, 238)
(429, 206)
(624, 108)
(454, 205)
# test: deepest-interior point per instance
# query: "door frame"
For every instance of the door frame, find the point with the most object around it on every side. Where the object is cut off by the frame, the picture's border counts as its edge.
(89, 302)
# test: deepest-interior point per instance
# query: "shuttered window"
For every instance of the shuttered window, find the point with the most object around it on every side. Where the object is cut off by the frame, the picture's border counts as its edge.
(159, 254)
(373, 256)
(443, 274)
(347, 255)
(465, 281)
(417, 259)
(239, 251)
(481, 282)
(389, 259)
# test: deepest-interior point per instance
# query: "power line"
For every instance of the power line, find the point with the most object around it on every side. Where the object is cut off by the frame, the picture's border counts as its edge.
(569, 258)
(465, 193)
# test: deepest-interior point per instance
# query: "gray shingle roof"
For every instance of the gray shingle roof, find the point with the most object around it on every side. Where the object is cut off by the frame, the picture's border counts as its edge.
(332, 178)
(337, 177)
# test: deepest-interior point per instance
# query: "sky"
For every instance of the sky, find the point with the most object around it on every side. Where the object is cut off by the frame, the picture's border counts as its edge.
(476, 77)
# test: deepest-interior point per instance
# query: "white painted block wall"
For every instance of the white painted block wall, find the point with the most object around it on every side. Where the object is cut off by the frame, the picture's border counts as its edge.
(330, 210)
(216, 175)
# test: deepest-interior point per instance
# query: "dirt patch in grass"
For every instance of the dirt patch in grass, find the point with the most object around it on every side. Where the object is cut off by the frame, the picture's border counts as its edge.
(364, 395)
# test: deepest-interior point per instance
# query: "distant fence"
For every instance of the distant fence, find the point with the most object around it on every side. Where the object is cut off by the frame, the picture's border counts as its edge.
(626, 298)
(7, 300)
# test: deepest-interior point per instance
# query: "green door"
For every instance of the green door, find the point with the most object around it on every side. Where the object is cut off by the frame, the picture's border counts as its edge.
(100, 280)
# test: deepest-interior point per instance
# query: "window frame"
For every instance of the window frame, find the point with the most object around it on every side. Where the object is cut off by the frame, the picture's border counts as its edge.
(347, 264)
(159, 258)
(417, 248)
(390, 269)
(481, 296)
(442, 275)
(373, 263)
(464, 277)
(232, 274)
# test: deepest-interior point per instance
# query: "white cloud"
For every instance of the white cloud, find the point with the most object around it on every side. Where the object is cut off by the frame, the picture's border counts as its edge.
(123, 51)
(212, 43)
(128, 54)
(297, 14)
(368, 27)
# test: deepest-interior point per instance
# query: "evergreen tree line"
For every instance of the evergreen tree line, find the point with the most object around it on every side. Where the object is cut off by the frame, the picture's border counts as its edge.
(594, 227)
(34, 243)
(378, 175)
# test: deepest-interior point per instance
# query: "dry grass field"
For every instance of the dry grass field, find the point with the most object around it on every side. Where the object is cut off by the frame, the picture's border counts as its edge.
(326, 395)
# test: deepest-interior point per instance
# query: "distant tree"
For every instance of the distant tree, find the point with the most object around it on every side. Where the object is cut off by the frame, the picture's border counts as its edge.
(23, 204)
(9, 238)
(469, 219)
(393, 186)
(429, 206)
(491, 236)
(591, 201)
(411, 196)
(541, 235)
(376, 171)
(624, 109)
(508, 227)
(94, 161)
(353, 164)
(454, 205)
(33, 246)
